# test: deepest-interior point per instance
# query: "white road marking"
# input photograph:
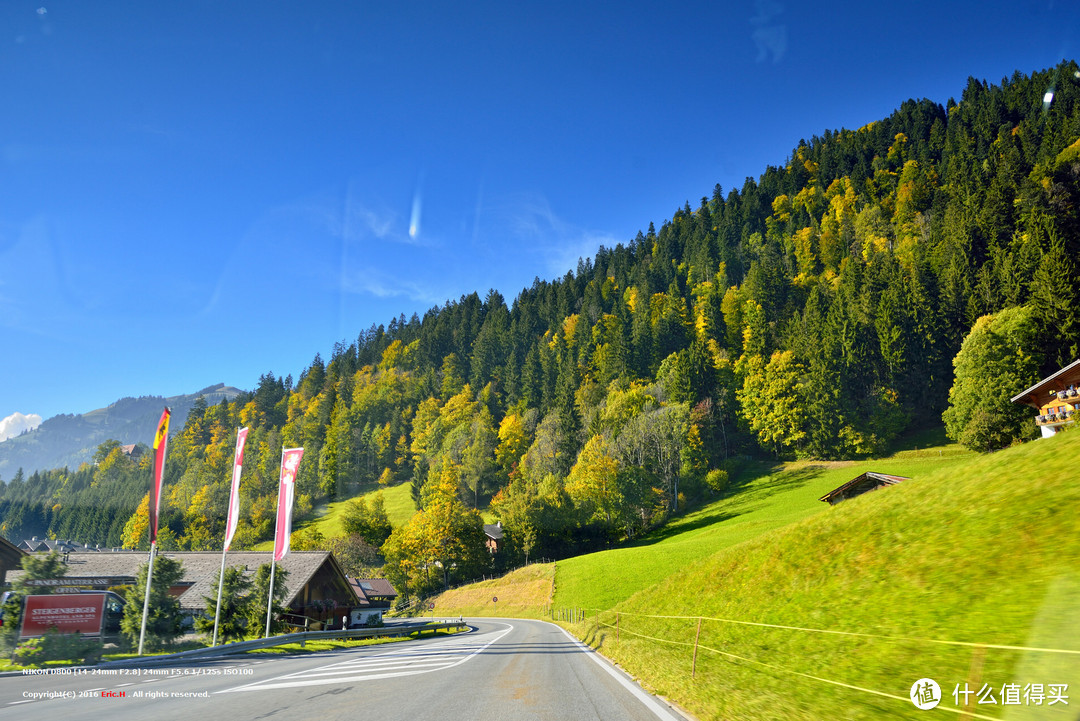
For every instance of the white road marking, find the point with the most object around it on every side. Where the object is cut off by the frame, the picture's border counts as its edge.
(648, 700)
(391, 664)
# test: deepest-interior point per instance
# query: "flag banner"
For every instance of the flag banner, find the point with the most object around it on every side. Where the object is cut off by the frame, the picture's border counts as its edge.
(234, 495)
(290, 461)
(161, 440)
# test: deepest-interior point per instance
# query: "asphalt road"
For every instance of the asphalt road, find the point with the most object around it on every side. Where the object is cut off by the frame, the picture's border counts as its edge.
(503, 670)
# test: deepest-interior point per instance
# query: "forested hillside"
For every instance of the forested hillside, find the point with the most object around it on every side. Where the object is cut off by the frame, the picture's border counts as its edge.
(815, 311)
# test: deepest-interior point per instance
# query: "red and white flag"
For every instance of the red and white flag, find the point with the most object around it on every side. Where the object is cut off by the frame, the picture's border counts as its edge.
(290, 461)
(234, 495)
(161, 440)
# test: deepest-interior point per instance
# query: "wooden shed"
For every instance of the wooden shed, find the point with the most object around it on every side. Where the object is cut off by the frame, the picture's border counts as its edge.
(868, 481)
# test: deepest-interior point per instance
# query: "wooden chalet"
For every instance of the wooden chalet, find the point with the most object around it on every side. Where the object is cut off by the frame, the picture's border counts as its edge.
(493, 537)
(859, 485)
(11, 557)
(132, 450)
(1056, 399)
(318, 589)
(375, 597)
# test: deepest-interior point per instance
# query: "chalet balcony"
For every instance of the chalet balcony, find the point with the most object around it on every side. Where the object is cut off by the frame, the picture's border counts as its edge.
(1070, 394)
(1055, 419)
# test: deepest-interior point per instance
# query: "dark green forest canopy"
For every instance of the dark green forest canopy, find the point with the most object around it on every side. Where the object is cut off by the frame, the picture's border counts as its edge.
(815, 311)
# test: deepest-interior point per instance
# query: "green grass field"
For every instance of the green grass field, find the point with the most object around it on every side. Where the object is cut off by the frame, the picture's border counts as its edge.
(982, 550)
(765, 498)
(524, 593)
(399, 508)
(975, 549)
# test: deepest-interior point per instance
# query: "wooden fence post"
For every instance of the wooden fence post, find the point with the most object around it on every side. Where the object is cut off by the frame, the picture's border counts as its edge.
(974, 677)
(693, 667)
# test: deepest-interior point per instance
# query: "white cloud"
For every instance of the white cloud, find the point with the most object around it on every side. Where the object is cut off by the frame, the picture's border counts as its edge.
(560, 243)
(16, 423)
(770, 37)
(383, 284)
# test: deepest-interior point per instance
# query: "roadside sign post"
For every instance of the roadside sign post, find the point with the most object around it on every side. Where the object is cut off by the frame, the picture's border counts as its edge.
(495, 601)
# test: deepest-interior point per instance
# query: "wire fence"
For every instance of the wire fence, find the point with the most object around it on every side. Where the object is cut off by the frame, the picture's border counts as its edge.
(614, 622)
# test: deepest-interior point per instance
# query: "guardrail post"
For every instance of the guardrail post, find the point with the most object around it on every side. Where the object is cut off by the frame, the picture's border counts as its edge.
(693, 666)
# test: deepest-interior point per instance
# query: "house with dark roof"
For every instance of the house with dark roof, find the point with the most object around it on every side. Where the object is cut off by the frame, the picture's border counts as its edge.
(859, 485)
(1056, 399)
(375, 597)
(318, 589)
(47, 545)
(132, 450)
(493, 537)
(11, 557)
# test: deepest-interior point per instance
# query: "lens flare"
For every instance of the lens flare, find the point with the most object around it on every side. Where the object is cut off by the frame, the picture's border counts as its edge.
(414, 218)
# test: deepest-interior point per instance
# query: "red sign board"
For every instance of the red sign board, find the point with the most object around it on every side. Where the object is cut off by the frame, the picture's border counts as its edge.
(67, 613)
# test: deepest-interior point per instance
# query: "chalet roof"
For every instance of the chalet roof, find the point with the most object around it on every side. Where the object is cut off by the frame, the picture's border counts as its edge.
(1036, 395)
(376, 587)
(35, 545)
(10, 558)
(9, 548)
(494, 531)
(880, 478)
(200, 569)
(10, 553)
(373, 592)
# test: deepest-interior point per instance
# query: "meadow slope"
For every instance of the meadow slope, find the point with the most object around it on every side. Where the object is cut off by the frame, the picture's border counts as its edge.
(980, 550)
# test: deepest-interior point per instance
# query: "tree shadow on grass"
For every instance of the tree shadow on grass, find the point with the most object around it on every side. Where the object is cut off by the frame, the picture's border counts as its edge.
(776, 481)
(669, 530)
(747, 494)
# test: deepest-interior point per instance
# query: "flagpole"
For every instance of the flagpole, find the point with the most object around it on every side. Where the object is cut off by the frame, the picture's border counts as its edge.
(241, 434)
(146, 598)
(273, 561)
(153, 507)
(217, 610)
(270, 600)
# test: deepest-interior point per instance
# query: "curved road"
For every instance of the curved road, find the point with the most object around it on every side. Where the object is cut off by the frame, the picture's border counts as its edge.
(503, 670)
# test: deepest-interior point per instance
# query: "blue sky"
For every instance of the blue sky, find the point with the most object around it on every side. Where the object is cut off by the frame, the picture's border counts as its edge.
(195, 192)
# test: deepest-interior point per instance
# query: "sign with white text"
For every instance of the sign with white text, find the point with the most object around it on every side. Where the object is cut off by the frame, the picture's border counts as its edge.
(67, 613)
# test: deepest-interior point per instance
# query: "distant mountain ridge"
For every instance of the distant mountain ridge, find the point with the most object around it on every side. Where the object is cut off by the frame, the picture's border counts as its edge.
(70, 439)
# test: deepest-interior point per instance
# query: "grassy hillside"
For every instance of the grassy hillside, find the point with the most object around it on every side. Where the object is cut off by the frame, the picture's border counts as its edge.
(974, 549)
(526, 592)
(399, 508)
(766, 499)
(986, 551)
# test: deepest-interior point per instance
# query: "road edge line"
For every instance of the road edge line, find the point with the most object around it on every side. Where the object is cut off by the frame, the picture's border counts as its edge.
(650, 701)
